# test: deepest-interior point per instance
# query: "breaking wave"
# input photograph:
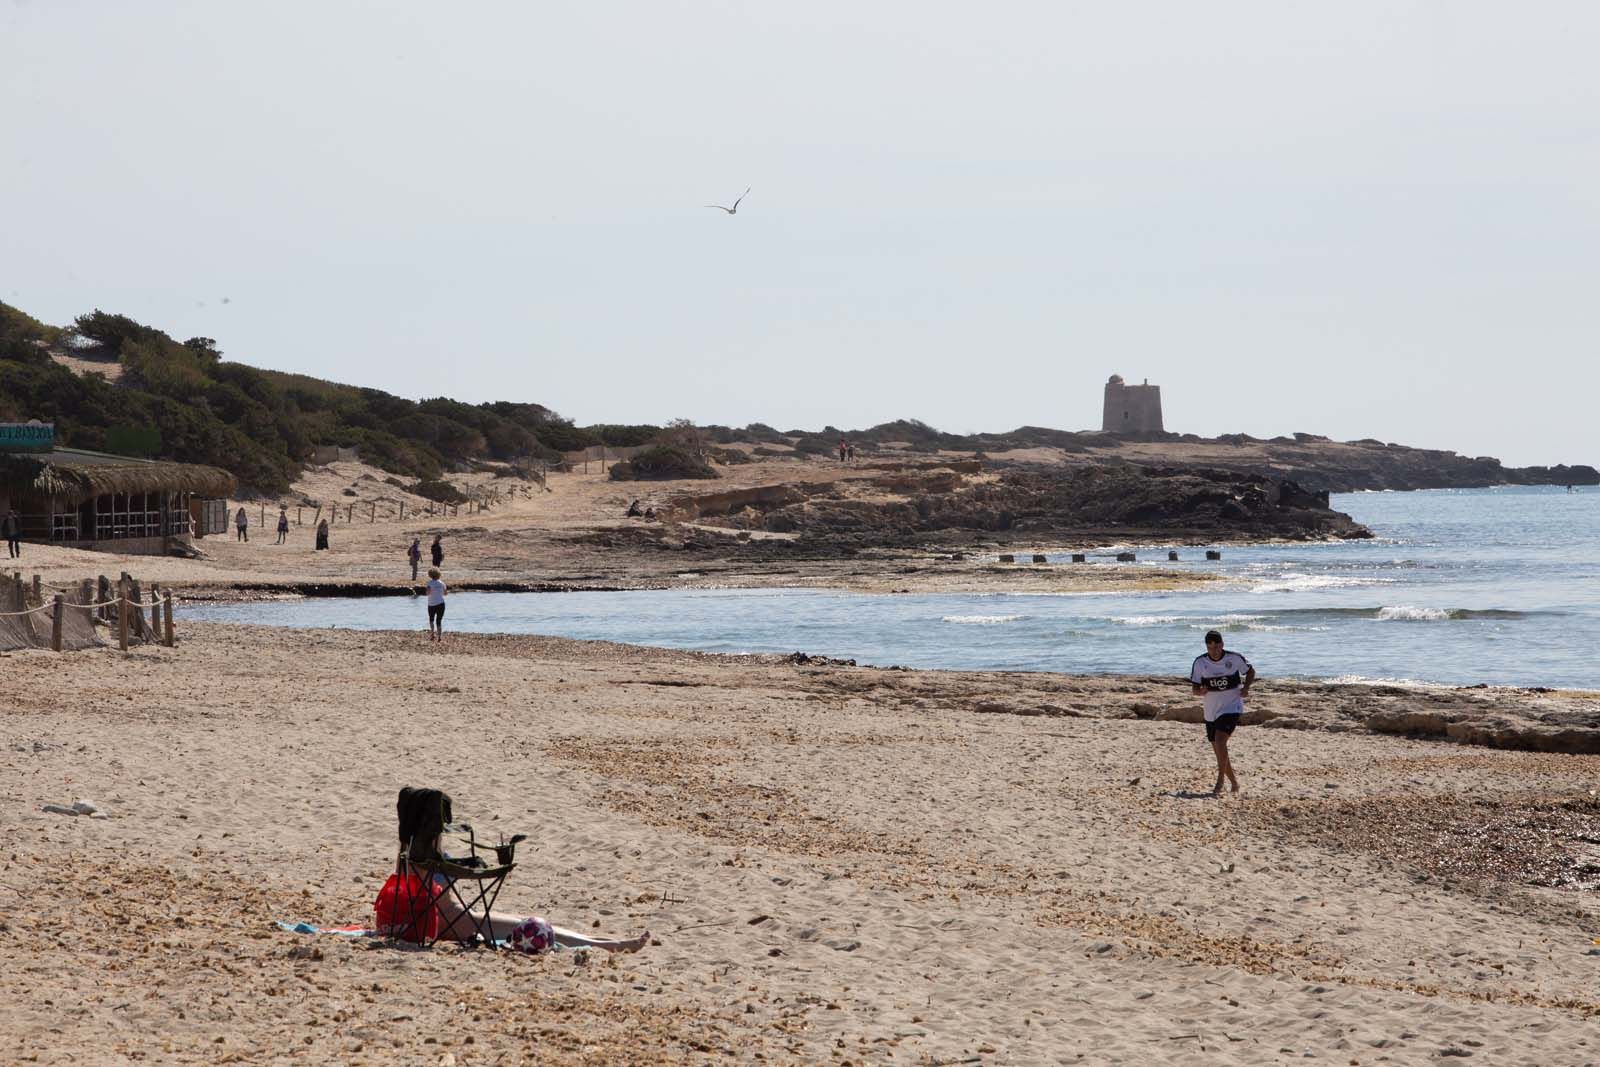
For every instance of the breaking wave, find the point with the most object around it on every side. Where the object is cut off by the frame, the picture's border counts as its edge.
(982, 620)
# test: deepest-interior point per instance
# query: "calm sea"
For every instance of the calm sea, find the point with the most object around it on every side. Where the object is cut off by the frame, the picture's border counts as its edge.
(1458, 587)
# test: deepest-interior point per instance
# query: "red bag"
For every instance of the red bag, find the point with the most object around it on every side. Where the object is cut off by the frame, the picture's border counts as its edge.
(404, 909)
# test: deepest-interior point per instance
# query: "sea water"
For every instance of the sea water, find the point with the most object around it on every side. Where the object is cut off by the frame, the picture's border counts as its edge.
(1457, 587)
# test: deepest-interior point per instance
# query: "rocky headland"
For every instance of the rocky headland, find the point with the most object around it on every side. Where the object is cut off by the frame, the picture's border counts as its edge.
(891, 504)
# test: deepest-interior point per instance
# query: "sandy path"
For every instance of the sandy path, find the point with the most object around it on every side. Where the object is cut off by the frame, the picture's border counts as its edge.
(841, 865)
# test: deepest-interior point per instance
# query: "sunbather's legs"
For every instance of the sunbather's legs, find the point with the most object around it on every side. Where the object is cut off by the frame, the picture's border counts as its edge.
(457, 926)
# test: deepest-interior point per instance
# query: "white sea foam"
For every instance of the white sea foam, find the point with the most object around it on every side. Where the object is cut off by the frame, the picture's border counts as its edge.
(1299, 583)
(982, 620)
(1410, 613)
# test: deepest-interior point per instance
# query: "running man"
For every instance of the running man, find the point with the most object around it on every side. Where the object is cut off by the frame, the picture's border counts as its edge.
(1224, 679)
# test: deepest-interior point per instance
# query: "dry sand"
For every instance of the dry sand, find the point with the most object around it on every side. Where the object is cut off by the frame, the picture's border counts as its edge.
(839, 865)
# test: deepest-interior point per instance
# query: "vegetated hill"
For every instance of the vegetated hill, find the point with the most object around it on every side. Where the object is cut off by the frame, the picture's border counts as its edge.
(183, 401)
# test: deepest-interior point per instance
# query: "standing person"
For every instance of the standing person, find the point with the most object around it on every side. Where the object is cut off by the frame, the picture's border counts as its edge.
(1223, 678)
(241, 522)
(414, 554)
(283, 523)
(842, 449)
(11, 525)
(437, 550)
(850, 449)
(322, 535)
(436, 595)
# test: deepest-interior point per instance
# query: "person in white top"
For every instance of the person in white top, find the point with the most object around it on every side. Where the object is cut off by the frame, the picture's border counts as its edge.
(436, 595)
(1223, 678)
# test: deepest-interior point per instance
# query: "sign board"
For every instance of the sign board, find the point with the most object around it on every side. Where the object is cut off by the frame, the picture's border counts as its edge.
(27, 436)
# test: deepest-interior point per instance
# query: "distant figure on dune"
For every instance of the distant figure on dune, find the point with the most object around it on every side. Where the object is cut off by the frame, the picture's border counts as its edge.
(634, 511)
(850, 452)
(11, 526)
(283, 523)
(437, 550)
(241, 522)
(414, 554)
(322, 535)
(1223, 678)
(844, 449)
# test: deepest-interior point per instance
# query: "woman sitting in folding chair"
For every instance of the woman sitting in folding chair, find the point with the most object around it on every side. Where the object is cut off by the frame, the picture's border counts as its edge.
(425, 900)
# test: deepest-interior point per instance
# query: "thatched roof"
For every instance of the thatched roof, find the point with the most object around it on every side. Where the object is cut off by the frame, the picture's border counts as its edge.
(76, 474)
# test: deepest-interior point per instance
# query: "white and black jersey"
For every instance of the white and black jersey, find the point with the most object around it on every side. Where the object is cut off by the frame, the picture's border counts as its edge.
(1222, 679)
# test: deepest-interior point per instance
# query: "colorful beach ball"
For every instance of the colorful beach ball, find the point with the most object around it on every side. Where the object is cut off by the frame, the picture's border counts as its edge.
(532, 934)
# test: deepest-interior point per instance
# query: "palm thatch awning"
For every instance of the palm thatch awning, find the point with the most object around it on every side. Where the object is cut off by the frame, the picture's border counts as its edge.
(77, 475)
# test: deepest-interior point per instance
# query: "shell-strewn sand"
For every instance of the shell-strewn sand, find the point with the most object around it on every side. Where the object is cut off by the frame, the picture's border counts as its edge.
(839, 864)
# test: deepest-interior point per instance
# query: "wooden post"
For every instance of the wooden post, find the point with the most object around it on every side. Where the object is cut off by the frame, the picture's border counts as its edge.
(317, 516)
(155, 613)
(350, 513)
(122, 616)
(402, 511)
(38, 591)
(55, 625)
(297, 514)
(263, 521)
(374, 516)
(166, 604)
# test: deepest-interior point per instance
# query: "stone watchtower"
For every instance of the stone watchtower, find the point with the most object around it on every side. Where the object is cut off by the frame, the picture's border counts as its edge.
(1131, 408)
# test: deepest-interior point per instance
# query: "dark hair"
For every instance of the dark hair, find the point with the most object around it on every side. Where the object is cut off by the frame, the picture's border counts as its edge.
(423, 815)
(1212, 635)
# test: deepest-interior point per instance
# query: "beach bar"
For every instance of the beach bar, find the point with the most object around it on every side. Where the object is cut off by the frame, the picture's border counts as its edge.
(95, 500)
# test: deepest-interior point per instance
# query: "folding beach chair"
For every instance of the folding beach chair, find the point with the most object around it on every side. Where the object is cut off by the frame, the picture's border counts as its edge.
(425, 877)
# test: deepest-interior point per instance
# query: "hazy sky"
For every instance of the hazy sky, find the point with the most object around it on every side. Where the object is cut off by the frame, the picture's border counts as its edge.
(1358, 219)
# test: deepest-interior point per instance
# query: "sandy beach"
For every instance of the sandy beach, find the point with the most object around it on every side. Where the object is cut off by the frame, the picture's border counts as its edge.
(837, 864)
(573, 534)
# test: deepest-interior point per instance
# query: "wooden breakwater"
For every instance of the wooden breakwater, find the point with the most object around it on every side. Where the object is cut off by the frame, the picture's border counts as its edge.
(70, 618)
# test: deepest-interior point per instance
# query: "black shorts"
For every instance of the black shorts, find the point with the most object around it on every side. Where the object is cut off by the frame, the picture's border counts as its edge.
(1222, 724)
(436, 611)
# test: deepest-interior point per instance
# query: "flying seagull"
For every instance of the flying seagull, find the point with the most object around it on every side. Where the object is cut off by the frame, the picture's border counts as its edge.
(734, 210)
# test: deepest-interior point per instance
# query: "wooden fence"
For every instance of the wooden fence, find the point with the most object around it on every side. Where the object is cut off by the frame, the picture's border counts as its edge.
(66, 619)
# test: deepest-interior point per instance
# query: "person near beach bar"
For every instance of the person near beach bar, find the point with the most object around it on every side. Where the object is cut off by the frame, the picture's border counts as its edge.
(283, 523)
(13, 531)
(437, 548)
(436, 595)
(242, 522)
(1223, 679)
(322, 535)
(414, 554)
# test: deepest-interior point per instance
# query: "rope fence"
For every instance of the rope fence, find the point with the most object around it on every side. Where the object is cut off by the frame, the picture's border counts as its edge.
(121, 604)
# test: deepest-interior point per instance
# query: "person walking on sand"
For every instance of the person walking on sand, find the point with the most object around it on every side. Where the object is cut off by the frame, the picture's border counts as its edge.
(241, 522)
(283, 523)
(11, 526)
(414, 554)
(322, 535)
(1223, 678)
(436, 595)
(438, 551)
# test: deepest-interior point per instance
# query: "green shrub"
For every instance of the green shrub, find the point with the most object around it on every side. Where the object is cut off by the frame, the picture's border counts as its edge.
(438, 491)
(662, 463)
